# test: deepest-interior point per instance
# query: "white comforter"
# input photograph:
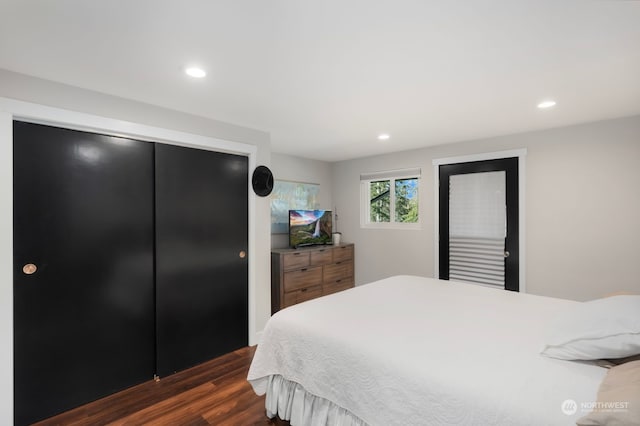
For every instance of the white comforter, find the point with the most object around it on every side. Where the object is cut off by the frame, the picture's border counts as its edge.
(418, 351)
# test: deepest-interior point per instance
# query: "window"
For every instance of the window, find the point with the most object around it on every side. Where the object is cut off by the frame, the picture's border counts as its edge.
(390, 199)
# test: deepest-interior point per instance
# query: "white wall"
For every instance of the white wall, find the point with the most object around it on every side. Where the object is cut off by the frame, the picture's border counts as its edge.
(287, 167)
(42, 92)
(582, 209)
(6, 271)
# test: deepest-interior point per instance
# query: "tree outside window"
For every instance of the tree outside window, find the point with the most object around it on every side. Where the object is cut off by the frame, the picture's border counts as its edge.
(380, 201)
(407, 200)
(401, 193)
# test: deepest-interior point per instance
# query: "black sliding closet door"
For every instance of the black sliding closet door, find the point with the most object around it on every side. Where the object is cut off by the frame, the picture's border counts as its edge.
(201, 243)
(84, 320)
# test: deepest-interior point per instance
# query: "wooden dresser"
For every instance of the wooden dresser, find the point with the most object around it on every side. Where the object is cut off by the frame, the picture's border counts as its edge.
(306, 273)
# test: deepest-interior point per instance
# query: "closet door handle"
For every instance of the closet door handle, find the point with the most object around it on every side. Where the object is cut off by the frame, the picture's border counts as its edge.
(29, 269)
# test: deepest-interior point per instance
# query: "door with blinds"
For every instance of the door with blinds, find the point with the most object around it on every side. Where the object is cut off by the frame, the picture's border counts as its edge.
(479, 223)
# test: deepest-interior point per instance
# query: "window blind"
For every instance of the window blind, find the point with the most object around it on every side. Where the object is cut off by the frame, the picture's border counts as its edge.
(396, 174)
(477, 227)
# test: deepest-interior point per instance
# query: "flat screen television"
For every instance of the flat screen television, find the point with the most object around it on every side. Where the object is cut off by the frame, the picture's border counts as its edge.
(309, 227)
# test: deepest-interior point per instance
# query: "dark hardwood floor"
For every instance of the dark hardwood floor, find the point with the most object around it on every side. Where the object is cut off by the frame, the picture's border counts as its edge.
(213, 393)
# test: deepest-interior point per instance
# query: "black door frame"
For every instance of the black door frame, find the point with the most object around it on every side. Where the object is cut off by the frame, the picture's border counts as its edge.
(512, 243)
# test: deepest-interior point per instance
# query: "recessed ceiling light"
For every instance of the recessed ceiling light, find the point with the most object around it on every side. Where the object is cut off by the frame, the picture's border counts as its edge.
(546, 104)
(195, 72)
(383, 137)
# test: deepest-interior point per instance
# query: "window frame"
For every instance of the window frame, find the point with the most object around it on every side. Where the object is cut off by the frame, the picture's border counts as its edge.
(392, 177)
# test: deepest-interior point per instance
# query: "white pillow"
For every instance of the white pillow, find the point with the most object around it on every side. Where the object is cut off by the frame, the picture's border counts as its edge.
(600, 329)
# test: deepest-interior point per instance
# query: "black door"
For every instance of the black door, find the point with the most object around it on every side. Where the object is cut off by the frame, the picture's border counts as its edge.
(83, 268)
(476, 259)
(201, 243)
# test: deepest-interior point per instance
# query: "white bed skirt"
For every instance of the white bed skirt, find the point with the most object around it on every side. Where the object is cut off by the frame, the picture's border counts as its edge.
(290, 401)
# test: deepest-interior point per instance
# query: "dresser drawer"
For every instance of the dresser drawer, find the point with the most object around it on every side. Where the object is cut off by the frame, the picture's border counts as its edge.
(301, 295)
(342, 253)
(336, 286)
(321, 257)
(305, 277)
(337, 271)
(295, 260)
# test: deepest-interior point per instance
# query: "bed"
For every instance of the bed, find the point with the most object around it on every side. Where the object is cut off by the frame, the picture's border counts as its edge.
(410, 350)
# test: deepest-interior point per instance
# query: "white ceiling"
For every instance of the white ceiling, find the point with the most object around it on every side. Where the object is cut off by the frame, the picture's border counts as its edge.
(325, 77)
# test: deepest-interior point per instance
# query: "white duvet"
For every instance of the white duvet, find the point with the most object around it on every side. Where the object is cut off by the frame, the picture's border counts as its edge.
(418, 351)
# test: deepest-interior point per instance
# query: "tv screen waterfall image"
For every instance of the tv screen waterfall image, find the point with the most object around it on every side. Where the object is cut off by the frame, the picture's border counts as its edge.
(309, 227)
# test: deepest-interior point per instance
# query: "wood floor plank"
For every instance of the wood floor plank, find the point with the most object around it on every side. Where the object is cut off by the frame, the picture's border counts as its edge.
(176, 406)
(217, 412)
(213, 393)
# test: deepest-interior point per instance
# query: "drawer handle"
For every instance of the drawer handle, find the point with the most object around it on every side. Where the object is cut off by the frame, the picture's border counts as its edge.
(303, 270)
(303, 290)
(337, 263)
(320, 251)
(338, 281)
(296, 254)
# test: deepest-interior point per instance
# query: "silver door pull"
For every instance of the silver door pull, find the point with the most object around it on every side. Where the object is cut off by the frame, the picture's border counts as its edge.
(506, 254)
